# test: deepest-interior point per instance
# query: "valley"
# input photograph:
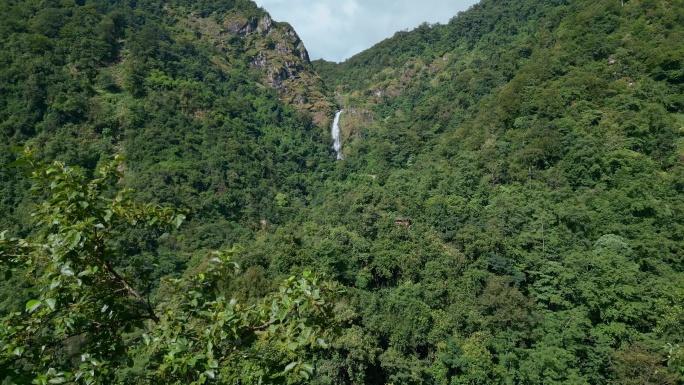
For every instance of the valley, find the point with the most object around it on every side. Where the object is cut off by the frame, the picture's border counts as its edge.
(494, 200)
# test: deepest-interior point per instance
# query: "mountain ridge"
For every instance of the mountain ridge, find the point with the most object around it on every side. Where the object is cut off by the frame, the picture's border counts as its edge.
(509, 208)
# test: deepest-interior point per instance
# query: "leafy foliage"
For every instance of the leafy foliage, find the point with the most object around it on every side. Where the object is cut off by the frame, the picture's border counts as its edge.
(78, 326)
(535, 148)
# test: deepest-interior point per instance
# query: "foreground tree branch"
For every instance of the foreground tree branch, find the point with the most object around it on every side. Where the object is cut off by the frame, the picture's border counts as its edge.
(85, 309)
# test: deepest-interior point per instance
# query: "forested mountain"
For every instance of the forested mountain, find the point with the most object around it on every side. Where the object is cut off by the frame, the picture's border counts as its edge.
(209, 102)
(218, 111)
(509, 210)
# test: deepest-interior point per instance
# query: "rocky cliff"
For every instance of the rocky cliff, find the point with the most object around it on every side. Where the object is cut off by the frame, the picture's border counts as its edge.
(276, 52)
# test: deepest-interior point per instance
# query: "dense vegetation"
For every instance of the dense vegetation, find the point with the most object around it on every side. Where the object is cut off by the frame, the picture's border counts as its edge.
(83, 81)
(89, 322)
(536, 147)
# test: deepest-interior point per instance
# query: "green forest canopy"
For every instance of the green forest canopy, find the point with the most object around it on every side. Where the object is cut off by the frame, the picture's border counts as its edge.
(535, 146)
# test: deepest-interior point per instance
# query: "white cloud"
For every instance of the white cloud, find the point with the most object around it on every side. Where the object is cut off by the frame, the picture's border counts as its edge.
(320, 18)
(335, 30)
(350, 7)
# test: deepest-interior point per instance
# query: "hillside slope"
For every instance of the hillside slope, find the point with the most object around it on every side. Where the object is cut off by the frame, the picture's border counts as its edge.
(509, 211)
(186, 91)
(215, 106)
(537, 149)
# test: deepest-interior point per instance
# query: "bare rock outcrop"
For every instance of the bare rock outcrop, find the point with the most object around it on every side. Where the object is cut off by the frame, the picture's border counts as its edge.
(275, 51)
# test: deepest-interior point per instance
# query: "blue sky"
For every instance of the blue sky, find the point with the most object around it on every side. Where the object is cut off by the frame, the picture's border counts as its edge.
(337, 29)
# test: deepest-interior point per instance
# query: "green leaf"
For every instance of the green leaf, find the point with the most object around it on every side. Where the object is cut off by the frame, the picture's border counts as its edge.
(75, 240)
(178, 220)
(290, 366)
(51, 302)
(308, 368)
(18, 351)
(20, 163)
(32, 305)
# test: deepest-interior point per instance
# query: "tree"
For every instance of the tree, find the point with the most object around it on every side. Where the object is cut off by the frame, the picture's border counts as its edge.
(87, 321)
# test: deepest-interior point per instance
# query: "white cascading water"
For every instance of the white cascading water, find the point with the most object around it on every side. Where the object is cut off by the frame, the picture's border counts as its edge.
(337, 146)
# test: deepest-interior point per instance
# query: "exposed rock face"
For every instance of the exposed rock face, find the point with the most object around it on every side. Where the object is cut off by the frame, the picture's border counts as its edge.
(265, 24)
(277, 52)
(355, 119)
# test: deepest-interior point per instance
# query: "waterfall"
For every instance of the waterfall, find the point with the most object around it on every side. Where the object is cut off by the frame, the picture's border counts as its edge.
(337, 146)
